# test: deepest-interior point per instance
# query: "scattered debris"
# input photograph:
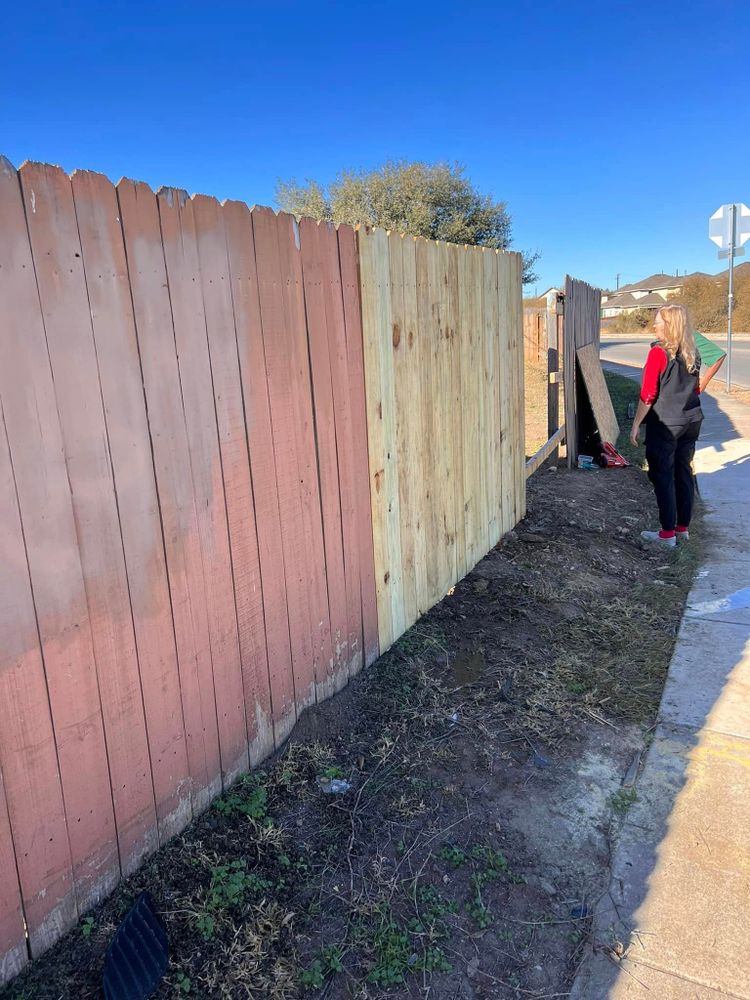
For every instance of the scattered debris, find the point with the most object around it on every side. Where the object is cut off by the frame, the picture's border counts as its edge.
(334, 786)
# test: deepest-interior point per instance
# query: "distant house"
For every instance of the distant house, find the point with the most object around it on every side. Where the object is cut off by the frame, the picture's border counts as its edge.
(651, 293)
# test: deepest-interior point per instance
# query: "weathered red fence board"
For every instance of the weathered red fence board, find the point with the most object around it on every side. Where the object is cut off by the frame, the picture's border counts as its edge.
(186, 526)
(129, 444)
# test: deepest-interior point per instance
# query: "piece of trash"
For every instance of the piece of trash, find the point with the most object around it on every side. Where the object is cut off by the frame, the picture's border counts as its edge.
(579, 912)
(334, 786)
(539, 760)
(138, 955)
(586, 462)
(455, 717)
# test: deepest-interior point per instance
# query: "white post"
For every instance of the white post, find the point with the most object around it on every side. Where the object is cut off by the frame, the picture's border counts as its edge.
(732, 241)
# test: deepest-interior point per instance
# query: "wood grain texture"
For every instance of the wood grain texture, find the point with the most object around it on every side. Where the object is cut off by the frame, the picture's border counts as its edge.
(235, 468)
(443, 357)
(139, 214)
(37, 453)
(350, 287)
(349, 458)
(601, 402)
(29, 766)
(56, 248)
(280, 360)
(13, 953)
(316, 264)
(129, 445)
(180, 243)
(238, 223)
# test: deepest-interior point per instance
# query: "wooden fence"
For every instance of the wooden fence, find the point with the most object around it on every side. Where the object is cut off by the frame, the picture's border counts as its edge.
(215, 506)
(444, 375)
(535, 334)
(582, 326)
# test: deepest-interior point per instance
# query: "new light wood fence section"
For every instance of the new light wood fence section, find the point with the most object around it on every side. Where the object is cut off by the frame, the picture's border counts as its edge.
(443, 341)
(187, 556)
(203, 408)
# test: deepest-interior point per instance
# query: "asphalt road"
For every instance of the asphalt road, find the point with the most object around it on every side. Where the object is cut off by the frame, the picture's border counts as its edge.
(632, 351)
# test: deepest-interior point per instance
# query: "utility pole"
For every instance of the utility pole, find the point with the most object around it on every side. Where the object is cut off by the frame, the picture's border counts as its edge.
(732, 251)
(729, 228)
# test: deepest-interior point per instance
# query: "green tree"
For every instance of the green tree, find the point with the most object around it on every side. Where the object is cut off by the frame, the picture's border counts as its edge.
(436, 201)
(706, 298)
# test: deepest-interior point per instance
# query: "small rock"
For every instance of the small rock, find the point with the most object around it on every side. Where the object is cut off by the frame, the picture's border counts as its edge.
(532, 537)
(546, 886)
(480, 585)
(472, 968)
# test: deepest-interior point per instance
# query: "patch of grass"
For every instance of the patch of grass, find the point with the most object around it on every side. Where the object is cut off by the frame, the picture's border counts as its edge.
(623, 392)
(622, 800)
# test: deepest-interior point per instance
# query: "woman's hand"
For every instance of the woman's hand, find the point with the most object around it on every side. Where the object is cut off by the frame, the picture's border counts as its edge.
(634, 434)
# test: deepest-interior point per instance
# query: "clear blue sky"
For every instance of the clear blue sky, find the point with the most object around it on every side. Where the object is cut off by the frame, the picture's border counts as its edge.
(612, 130)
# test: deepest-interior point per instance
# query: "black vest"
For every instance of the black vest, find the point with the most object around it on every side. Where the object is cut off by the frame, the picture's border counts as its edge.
(677, 403)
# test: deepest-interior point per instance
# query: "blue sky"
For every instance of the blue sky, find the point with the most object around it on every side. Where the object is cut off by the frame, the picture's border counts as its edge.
(612, 130)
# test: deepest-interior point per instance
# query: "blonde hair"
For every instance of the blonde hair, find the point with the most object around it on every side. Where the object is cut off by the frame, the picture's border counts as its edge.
(677, 337)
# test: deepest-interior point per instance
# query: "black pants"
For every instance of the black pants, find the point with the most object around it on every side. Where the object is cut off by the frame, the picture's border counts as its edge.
(669, 452)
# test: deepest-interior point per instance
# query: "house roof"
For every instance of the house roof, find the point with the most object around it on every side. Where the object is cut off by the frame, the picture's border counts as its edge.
(655, 281)
(626, 300)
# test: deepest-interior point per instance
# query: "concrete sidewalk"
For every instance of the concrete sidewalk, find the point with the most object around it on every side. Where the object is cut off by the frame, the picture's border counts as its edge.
(676, 919)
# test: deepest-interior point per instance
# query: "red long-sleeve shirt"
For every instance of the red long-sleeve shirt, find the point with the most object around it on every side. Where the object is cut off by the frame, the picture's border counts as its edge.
(656, 365)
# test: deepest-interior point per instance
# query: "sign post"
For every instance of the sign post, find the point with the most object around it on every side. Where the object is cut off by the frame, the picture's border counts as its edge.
(729, 228)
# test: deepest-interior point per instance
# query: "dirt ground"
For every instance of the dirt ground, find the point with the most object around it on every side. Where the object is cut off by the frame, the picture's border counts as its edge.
(489, 756)
(535, 408)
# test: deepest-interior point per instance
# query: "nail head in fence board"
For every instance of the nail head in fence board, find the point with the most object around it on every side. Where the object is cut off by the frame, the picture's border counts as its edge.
(242, 266)
(153, 319)
(13, 954)
(350, 282)
(402, 354)
(347, 457)
(56, 248)
(184, 279)
(107, 281)
(28, 756)
(294, 302)
(238, 492)
(282, 385)
(316, 276)
(36, 448)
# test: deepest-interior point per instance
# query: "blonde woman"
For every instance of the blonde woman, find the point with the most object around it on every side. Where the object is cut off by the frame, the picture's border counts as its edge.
(670, 407)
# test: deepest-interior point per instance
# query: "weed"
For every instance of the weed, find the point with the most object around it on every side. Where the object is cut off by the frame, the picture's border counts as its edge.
(453, 855)
(392, 952)
(183, 983)
(313, 976)
(247, 798)
(623, 799)
(205, 925)
(88, 925)
(494, 860)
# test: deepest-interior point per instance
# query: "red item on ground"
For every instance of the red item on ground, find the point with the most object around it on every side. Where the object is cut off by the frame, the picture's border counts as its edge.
(611, 459)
